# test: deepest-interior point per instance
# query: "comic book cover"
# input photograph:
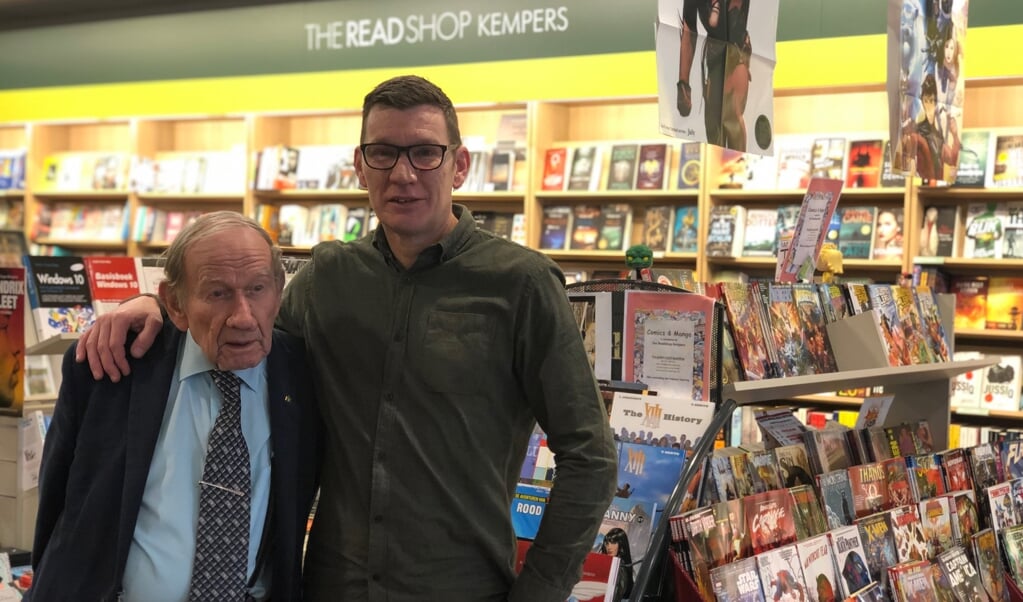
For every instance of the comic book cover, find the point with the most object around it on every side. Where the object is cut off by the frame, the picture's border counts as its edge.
(740, 470)
(828, 449)
(1003, 512)
(706, 547)
(914, 333)
(941, 585)
(689, 166)
(634, 517)
(955, 464)
(928, 480)
(737, 582)
(900, 492)
(1012, 550)
(837, 498)
(722, 477)
(965, 515)
(621, 173)
(648, 473)
(985, 225)
(857, 297)
(831, 294)
(903, 438)
(814, 326)
(850, 559)
(984, 549)
(869, 484)
(936, 521)
(750, 338)
(764, 471)
(883, 301)
(1017, 498)
(770, 520)
(984, 464)
(879, 543)
(810, 519)
(961, 574)
(725, 231)
(786, 333)
(880, 449)
(913, 581)
(731, 521)
(907, 529)
(817, 562)
(759, 232)
(939, 231)
(781, 576)
(1012, 238)
(657, 227)
(933, 329)
(794, 465)
(864, 164)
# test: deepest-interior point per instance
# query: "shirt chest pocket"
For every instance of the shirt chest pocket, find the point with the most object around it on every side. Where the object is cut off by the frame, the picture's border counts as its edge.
(456, 351)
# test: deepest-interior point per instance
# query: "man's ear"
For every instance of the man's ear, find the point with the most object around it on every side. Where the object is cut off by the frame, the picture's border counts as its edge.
(174, 309)
(360, 169)
(462, 162)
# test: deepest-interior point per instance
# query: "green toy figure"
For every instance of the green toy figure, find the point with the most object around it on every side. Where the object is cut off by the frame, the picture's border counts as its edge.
(641, 259)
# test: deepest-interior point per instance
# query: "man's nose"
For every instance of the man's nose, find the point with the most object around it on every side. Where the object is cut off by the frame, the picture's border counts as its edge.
(403, 170)
(241, 314)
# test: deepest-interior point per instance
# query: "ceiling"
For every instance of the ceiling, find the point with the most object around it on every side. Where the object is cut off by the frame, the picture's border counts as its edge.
(21, 14)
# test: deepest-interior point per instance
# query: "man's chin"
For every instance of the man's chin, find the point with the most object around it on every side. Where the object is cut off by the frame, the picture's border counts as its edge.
(240, 357)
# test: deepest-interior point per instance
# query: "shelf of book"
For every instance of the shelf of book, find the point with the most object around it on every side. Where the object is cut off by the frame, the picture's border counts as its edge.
(55, 345)
(293, 196)
(1006, 336)
(961, 265)
(82, 195)
(153, 198)
(119, 246)
(11, 194)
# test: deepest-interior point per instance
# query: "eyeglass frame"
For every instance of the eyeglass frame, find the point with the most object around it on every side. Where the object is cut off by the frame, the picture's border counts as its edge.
(407, 151)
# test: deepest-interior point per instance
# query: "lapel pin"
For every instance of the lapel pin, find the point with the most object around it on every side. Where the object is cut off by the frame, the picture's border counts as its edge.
(287, 399)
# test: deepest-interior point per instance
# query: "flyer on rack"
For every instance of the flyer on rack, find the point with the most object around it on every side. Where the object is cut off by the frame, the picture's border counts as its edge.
(715, 72)
(800, 259)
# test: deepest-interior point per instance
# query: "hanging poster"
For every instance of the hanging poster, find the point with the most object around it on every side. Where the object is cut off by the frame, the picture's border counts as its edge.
(715, 71)
(926, 78)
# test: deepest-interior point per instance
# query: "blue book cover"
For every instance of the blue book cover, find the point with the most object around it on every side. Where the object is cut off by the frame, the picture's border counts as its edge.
(685, 232)
(527, 509)
(648, 473)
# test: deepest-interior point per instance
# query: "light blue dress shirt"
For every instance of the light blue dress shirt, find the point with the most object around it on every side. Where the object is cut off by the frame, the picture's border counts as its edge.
(159, 565)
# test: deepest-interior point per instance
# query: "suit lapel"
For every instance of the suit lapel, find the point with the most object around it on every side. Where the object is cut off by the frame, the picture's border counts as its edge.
(150, 386)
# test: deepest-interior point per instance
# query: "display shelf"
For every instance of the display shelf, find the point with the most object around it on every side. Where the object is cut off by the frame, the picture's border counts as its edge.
(302, 196)
(55, 345)
(11, 193)
(82, 195)
(1007, 336)
(152, 198)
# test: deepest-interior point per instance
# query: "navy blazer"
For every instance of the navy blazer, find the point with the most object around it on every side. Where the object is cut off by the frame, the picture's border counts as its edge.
(96, 460)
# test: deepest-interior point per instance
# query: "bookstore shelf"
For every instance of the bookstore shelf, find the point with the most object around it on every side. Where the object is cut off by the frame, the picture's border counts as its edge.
(82, 195)
(740, 195)
(1007, 336)
(11, 194)
(583, 196)
(118, 245)
(289, 196)
(957, 265)
(55, 345)
(148, 198)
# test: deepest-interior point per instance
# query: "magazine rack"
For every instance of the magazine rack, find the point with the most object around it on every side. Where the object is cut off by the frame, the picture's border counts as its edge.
(654, 572)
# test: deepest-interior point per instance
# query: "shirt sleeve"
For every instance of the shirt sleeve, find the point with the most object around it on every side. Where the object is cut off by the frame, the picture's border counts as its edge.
(561, 389)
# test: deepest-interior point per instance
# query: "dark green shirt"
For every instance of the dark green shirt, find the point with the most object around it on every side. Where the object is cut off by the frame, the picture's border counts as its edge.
(431, 381)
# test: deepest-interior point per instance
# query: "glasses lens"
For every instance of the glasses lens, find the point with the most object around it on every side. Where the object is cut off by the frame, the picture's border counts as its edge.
(380, 156)
(426, 156)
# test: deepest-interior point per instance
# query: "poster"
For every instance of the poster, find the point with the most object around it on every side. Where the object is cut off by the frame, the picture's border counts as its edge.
(715, 72)
(926, 81)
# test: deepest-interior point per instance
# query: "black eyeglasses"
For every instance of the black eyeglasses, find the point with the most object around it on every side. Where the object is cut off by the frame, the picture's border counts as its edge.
(424, 157)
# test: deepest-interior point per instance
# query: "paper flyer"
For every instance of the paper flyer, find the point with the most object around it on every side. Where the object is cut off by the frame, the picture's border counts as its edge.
(715, 72)
(800, 258)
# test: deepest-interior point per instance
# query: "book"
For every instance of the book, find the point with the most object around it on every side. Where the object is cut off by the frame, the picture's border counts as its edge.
(936, 522)
(856, 231)
(555, 227)
(1004, 294)
(770, 520)
(759, 232)
(869, 485)
(794, 161)
(555, 168)
(974, 150)
(814, 327)
(584, 173)
(828, 158)
(939, 231)
(962, 575)
(785, 331)
(648, 473)
(890, 177)
(1012, 550)
(502, 162)
(587, 221)
(111, 280)
(12, 340)
(911, 581)
(900, 491)
(965, 515)
(971, 302)
(817, 562)
(1000, 384)
(59, 295)
(528, 505)
(1002, 511)
(621, 173)
(634, 517)
(850, 559)
(827, 449)
(652, 169)
(798, 259)
(1007, 170)
(599, 580)
(931, 324)
(725, 231)
(685, 233)
(879, 545)
(908, 533)
(806, 507)
(737, 582)
(888, 236)
(984, 550)
(750, 333)
(669, 336)
(864, 161)
(689, 166)
(659, 419)
(1012, 459)
(615, 227)
(657, 227)
(984, 230)
(781, 575)
(1012, 235)
(837, 498)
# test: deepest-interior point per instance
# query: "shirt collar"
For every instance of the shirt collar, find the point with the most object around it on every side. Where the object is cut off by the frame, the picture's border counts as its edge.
(194, 361)
(448, 247)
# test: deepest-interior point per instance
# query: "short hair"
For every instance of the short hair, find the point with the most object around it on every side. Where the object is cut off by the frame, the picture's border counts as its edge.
(203, 227)
(408, 91)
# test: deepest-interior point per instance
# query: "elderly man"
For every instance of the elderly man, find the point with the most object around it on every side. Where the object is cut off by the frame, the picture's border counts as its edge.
(192, 478)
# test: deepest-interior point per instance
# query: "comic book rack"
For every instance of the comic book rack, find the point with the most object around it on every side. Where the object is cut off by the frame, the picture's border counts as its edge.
(654, 579)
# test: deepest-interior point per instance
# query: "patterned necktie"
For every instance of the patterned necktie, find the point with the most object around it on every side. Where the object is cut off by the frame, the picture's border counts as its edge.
(222, 536)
